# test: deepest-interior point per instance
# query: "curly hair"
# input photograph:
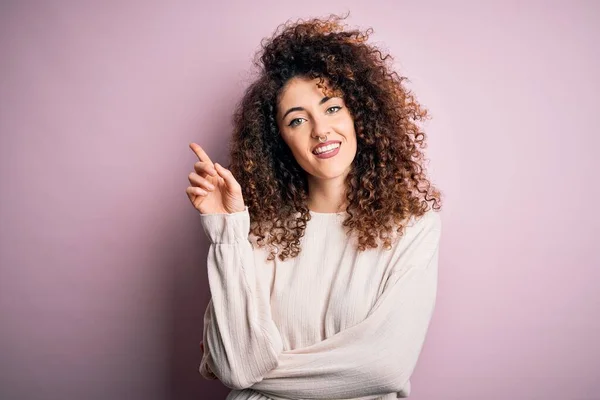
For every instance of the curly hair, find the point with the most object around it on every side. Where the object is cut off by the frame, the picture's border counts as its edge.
(387, 182)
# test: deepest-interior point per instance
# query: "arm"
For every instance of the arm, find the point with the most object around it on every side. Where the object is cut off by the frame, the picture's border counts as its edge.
(378, 355)
(241, 341)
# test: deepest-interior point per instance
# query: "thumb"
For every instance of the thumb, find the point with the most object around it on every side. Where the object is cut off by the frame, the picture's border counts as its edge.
(227, 177)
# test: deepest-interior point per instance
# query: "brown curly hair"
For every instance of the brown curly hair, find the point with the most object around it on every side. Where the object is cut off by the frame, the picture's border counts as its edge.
(387, 182)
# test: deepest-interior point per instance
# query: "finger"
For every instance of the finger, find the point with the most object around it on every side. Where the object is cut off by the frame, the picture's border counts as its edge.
(227, 176)
(197, 180)
(202, 156)
(194, 191)
(202, 167)
(190, 195)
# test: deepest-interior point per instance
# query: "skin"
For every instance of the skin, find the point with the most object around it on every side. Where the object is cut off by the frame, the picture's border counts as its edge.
(300, 130)
(213, 189)
(211, 184)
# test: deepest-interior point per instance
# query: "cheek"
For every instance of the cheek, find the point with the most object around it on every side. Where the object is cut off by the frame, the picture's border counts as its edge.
(348, 125)
(297, 147)
(289, 140)
(350, 133)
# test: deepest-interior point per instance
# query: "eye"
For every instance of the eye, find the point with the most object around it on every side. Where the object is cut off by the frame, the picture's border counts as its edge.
(336, 108)
(293, 122)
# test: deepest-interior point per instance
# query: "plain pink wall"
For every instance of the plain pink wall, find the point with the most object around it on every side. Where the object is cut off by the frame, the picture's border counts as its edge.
(102, 277)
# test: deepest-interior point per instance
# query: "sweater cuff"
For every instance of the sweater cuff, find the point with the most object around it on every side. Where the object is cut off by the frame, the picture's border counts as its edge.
(226, 228)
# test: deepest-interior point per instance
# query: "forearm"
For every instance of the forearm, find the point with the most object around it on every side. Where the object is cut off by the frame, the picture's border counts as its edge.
(242, 339)
(370, 359)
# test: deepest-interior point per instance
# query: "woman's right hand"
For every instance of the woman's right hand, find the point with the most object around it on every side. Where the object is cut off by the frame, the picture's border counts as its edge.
(213, 188)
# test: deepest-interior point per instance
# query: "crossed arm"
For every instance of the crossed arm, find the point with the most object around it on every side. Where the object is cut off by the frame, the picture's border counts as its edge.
(373, 358)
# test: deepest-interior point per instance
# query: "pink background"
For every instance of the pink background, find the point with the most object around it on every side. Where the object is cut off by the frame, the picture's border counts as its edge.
(102, 278)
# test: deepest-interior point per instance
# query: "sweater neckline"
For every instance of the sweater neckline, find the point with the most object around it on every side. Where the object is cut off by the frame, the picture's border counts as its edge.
(326, 214)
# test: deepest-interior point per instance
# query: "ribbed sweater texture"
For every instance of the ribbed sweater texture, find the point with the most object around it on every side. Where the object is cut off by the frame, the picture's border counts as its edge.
(331, 323)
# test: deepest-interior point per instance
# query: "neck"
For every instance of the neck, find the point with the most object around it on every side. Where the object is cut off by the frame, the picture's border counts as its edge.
(327, 195)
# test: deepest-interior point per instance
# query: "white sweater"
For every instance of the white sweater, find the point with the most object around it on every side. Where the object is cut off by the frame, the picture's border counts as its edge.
(332, 323)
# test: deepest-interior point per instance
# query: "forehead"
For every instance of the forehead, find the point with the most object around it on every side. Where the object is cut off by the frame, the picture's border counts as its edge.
(299, 87)
(302, 89)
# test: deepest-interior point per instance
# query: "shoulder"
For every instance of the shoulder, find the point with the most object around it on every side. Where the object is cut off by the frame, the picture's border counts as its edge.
(423, 229)
(430, 221)
(419, 242)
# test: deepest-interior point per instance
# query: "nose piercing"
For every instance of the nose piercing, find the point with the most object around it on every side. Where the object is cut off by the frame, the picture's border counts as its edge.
(323, 139)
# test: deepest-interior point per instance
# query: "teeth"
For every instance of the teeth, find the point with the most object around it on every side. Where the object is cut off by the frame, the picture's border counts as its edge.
(326, 148)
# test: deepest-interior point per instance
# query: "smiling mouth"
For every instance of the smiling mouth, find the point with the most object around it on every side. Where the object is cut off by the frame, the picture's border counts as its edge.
(328, 151)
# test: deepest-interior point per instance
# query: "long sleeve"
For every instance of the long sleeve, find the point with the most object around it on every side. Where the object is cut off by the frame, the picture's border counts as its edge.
(241, 341)
(378, 355)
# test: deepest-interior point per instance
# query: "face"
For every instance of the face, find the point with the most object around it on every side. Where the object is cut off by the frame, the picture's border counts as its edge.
(304, 113)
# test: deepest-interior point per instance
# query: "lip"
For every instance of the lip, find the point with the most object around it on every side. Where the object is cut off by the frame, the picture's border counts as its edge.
(328, 155)
(327, 143)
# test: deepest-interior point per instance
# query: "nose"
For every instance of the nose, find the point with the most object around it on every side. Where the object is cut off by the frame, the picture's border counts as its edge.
(320, 128)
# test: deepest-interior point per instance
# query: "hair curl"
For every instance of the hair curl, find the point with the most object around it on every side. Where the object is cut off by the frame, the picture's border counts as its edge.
(387, 183)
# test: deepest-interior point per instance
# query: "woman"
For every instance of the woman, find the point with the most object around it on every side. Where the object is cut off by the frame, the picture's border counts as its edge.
(323, 230)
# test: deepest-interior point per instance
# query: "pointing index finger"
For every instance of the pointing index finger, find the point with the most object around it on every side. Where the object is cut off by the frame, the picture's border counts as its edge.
(202, 156)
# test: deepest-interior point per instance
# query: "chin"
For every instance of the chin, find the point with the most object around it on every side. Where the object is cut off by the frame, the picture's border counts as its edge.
(331, 174)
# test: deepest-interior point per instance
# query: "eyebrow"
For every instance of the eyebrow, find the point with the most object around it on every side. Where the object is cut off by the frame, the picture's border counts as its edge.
(323, 100)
